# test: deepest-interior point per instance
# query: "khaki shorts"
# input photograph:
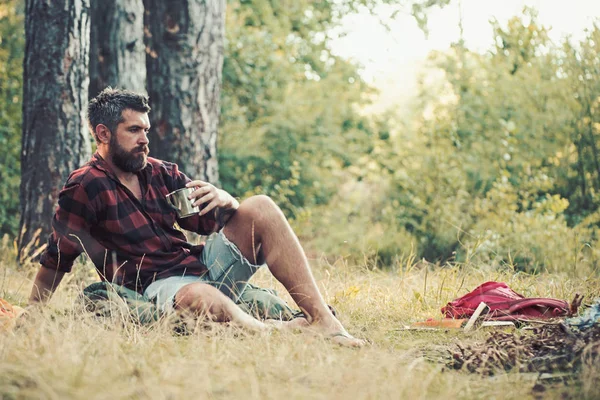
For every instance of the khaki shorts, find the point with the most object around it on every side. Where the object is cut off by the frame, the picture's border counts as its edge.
(228, 270)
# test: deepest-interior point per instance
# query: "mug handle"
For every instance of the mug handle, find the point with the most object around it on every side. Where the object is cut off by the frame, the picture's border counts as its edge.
(171, 203)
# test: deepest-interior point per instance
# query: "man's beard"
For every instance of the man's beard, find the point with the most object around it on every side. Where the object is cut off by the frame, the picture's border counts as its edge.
(127, 161)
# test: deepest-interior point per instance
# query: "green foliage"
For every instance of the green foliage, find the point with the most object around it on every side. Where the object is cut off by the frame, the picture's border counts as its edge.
(12, 42)
(530, 239)
(501, 157)
(579, 164)
(289, 119)
(290, 122)
(419, 11)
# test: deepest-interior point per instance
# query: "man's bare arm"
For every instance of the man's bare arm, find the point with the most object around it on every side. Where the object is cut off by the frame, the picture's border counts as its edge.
(46, 281)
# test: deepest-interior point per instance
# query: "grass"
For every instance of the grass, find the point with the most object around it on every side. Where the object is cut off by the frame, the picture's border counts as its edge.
(64, 352)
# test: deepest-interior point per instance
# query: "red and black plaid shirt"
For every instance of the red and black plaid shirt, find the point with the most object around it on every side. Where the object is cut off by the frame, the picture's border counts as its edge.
(131, 242)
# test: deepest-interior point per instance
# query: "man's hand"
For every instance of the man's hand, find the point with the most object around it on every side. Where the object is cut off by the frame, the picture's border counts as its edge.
(44, 285)
(211, 197)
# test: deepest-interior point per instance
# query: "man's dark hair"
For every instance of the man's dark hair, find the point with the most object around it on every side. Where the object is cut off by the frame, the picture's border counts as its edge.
(107, 108)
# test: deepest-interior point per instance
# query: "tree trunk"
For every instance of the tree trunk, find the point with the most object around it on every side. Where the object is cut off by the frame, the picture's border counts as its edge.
(55, 87)
(117, 51)
(184, 65)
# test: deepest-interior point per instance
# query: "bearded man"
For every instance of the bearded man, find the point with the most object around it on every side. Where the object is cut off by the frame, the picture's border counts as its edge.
(115, 209)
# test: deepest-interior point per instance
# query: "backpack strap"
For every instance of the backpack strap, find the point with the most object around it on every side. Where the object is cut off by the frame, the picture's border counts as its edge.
(557, 307)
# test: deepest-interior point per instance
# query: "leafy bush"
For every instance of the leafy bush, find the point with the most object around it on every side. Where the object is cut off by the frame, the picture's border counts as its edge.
(12, 44)
(533, 239)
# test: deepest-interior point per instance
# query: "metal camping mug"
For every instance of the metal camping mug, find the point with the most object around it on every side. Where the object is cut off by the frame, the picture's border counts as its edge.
(180, 202)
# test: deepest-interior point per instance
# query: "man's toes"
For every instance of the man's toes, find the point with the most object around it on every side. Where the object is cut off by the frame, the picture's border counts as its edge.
(346, 340)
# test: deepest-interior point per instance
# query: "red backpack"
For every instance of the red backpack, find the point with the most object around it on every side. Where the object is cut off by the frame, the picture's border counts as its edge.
(506, 305)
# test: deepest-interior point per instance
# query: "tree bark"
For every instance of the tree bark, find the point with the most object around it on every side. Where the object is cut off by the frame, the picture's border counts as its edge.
(184, 66)
(55, 87)
(117, 50)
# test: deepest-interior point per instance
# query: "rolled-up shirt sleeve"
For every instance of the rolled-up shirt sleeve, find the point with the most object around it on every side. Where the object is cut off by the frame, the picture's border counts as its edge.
(70, 228)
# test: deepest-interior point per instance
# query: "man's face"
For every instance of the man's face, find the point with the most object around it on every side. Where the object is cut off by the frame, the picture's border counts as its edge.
(128, 148)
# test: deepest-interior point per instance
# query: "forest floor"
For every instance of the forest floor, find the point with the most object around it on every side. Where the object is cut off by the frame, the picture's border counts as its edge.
(64, 352)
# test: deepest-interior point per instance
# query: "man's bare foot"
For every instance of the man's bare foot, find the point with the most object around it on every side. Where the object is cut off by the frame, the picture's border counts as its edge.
(347, 340)
(336, 333)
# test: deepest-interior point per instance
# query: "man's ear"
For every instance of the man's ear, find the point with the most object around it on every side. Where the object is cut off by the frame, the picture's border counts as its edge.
(103, 134)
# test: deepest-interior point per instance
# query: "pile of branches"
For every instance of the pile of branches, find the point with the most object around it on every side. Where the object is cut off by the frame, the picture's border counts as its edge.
(548, 348)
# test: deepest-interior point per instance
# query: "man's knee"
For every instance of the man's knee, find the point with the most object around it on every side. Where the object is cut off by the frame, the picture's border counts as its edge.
(195, 297)
(260, 206)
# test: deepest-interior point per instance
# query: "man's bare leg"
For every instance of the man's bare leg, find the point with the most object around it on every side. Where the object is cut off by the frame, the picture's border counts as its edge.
(203, 299)
(262, 233)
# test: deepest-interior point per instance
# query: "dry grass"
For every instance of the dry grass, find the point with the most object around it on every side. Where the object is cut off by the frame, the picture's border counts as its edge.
(65, 353)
